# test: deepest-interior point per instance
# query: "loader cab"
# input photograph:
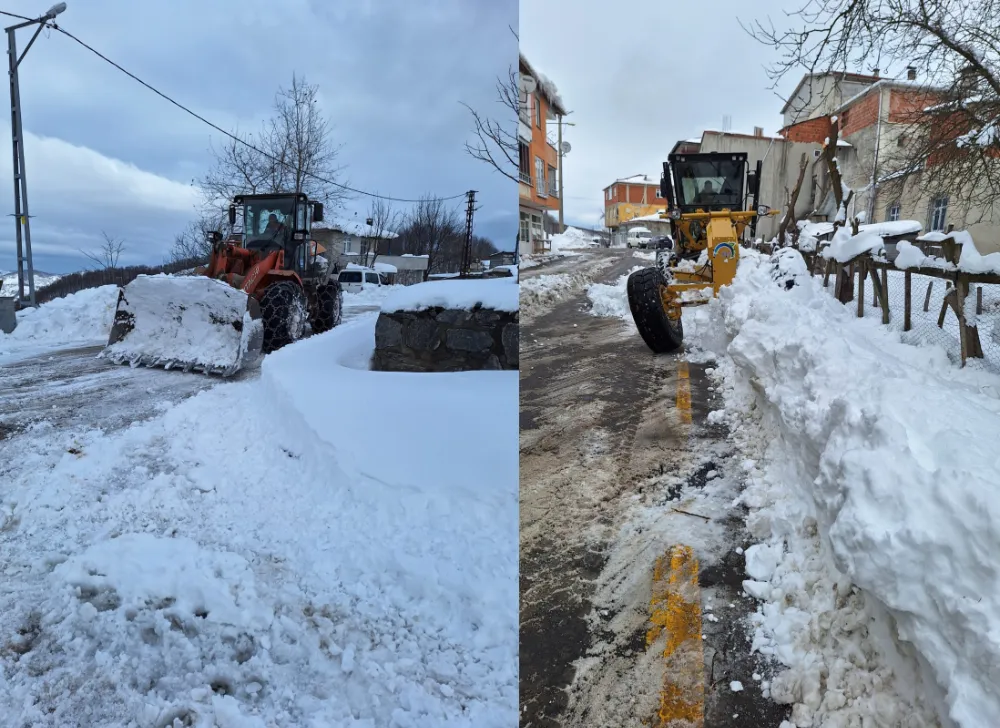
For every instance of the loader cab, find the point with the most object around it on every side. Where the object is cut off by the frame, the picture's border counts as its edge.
(284, 222)
(709, 182)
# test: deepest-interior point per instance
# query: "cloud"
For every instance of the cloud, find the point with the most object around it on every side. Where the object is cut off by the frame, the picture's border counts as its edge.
(666, 72)
(391, 75)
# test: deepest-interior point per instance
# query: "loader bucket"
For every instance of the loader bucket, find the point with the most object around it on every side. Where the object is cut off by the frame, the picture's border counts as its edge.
(185, 322)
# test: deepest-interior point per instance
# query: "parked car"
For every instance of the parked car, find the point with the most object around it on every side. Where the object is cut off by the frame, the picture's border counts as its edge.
(357, 279)
(638, 237)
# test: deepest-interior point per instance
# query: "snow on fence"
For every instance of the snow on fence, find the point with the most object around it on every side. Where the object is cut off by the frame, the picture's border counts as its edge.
(932, 301)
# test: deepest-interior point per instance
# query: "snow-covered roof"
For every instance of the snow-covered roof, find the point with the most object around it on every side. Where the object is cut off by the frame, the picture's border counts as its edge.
(351, 227)
(639, 229)
(546, 86)
(385, 267)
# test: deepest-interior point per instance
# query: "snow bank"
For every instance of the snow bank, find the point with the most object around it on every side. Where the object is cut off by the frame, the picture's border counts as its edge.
(500, 294)
(347, 558)
(611, 300)
(79, 319)
(863, 483)
(572, 239)
(370, 296)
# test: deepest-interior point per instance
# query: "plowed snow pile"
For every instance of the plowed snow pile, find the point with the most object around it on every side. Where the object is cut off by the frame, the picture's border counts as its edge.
(80, 319)
(324, 546)
(873, 490)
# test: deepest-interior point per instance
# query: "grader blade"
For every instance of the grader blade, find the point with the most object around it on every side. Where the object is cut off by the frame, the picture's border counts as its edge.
(192, 323)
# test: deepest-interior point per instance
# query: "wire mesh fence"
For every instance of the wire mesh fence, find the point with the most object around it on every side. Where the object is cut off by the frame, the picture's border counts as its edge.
(933, 309)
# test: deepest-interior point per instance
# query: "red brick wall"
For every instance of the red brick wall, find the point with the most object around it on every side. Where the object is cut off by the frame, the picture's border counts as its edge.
(634, 193)
(861, 114)
(906, 106)
(813, 130)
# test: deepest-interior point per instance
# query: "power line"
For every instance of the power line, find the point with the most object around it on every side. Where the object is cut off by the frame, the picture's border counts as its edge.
(218, 128)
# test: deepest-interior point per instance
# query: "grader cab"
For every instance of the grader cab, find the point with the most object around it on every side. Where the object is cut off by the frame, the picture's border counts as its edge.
(711, 203)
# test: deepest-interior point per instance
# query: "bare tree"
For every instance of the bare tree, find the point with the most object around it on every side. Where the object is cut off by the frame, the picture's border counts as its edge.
(110, 251)
(788, 221)
(431, 229)
(496, 142)
(193, 241)
(385, 222)
(294, 151)
(952, 137)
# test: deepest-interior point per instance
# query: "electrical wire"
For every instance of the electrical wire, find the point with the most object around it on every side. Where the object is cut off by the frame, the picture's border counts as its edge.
(219, 129)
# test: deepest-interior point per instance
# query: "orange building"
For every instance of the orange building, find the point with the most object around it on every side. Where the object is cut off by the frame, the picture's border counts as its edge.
(539, 159)
(629, 198)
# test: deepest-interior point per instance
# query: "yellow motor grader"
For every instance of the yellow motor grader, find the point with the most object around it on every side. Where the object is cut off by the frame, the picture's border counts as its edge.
(711, 201)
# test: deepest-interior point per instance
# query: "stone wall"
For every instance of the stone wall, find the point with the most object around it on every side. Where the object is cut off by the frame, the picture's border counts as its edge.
(446, 340)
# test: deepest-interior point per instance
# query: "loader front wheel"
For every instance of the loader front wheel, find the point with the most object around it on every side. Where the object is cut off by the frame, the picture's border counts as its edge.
(285, 309)
(661, 333)
(329, 307)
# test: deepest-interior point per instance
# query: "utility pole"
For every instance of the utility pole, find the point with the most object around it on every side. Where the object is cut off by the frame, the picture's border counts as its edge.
(470, 210)
(562, 227)
(22, 226)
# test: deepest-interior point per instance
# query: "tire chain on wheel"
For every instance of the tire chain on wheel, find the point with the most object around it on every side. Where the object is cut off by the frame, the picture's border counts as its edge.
(284, 309)
(660, 334)
(329, 307)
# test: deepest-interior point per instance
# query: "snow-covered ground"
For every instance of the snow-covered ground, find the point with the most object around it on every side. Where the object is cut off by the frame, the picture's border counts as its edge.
(80, 319)
(874, 511)
(876, 515)
(320, 546)
(562, 245)
(611, 299)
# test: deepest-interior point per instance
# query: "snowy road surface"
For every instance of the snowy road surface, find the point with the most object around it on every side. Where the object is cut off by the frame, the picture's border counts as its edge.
(613, 440)
(178, 550)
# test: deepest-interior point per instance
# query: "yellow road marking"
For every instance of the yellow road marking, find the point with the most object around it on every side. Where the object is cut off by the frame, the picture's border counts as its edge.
(684, 392)
(675, 613)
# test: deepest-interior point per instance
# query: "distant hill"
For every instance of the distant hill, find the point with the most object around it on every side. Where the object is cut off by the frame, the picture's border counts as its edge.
(8, 281)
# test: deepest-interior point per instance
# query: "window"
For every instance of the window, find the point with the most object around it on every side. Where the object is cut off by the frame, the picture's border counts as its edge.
(939, 211)
(525, 163)
(553, 182)
(893, 213)
(607, 194)
(709, 184)
(525, 226)
(348, 245)
(372, 278)
(659, 193)
(350, 276)
(540, 176)
(524, 107)
(538, 111)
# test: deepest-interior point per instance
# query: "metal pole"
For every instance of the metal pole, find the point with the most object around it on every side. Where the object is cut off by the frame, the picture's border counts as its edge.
(562, 227)
(21, 212)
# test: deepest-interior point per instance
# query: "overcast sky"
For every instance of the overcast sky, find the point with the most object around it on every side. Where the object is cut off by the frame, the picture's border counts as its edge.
(641, 75)
(105, 154)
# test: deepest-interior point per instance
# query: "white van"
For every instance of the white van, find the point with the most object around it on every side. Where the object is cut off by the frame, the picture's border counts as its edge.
(638, 237)
(355, 279)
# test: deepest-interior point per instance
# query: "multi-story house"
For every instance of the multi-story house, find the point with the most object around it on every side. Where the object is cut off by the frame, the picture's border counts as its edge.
(539, 158)
(631, 197)
(878, 123)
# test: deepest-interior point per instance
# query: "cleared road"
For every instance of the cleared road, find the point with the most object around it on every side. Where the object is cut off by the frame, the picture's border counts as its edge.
(617, 467)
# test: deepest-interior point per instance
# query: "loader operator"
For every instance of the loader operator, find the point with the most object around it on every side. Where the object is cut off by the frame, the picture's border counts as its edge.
(274, 228)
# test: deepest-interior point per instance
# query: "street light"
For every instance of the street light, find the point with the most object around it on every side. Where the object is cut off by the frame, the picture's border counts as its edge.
(21, 216)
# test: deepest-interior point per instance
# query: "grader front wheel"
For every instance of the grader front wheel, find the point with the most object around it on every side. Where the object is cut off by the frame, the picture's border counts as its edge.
(656, 316)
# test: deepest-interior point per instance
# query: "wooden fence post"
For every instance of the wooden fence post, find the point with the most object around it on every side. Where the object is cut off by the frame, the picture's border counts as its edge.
(927, 298)
(862, 272)
(979, 300)
(907, 281)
